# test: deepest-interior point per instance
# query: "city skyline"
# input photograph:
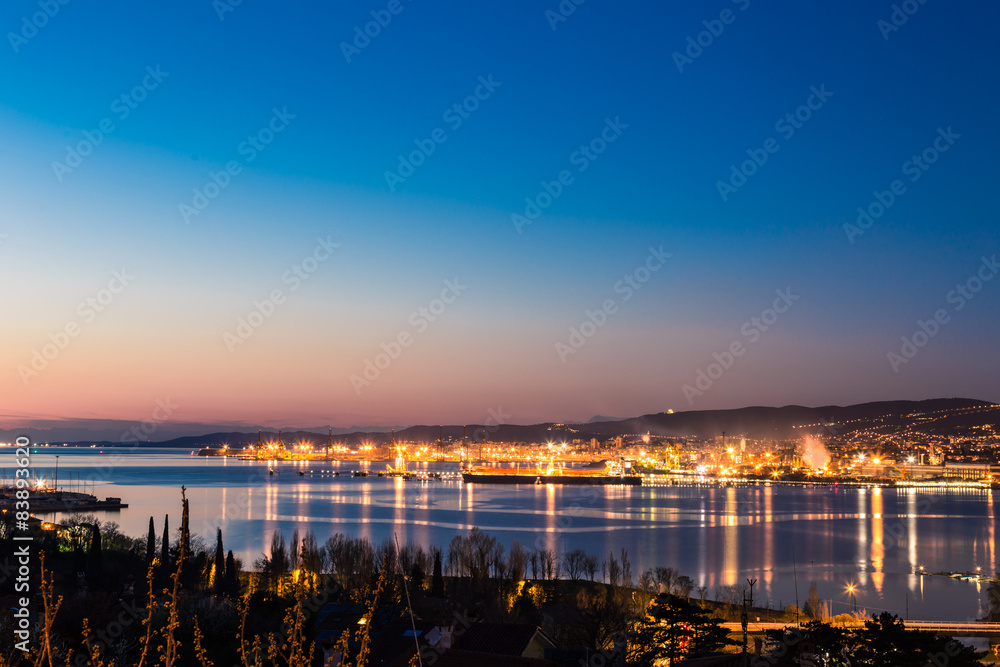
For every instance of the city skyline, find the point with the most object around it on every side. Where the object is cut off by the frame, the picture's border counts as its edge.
(280, 219)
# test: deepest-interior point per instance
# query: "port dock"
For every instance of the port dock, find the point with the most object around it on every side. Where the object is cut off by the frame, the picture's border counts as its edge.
(47, 501)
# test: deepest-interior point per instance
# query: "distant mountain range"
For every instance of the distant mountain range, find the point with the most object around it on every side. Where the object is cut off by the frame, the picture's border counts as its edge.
(602, 418)
(946, 416)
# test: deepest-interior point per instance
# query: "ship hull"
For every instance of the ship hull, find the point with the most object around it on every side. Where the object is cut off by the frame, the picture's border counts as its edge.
(576, 480)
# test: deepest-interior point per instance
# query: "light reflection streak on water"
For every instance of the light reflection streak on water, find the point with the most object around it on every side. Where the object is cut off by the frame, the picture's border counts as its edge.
(911, 531)
(878, 548)
(991, 557)
(271, 501)
(365, 529)
(769, 556)
(551, 537)
(730, 564)
(399, 516)
(861, 556)
(988, 566)
(702, 549)
(224, 509)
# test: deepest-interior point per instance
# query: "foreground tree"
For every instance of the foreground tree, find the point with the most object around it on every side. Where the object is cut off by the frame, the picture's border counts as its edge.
(885, 642)
(219, 571)
(232, 576)
(95, 556)
(675, 628)
(993, 599)
(165, 547)
(150, 543)
(575, 564)
(834, 644)
(437, 581)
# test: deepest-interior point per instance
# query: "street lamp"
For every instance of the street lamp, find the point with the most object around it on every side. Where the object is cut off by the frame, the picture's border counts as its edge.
(854, 600)
(57, 473)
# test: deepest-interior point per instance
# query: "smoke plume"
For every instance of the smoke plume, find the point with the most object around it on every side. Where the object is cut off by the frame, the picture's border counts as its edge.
(814, 453)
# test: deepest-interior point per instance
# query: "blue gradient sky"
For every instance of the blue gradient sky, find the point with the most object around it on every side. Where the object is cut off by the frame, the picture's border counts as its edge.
(495, 346)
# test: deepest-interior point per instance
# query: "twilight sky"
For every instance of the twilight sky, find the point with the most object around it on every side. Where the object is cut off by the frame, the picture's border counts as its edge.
(266, 216)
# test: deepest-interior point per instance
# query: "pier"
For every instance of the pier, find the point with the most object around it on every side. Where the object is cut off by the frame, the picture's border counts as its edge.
(46, 501)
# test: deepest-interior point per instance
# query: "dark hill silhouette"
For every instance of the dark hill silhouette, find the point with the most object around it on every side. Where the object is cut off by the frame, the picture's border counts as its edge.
(946, 416)
(602, 418)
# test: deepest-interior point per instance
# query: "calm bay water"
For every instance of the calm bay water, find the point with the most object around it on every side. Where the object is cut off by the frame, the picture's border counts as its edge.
(875, 539)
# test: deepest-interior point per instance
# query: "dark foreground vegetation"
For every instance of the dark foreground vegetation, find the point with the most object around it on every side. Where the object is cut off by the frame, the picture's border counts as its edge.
(103, 599)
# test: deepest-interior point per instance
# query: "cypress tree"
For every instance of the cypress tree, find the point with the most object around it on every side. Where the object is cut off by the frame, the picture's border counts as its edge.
(220, 563)
(79, 566)
(95, 556)
(232, 576)
(165, 551)
(185, 527)
(417, 578)
(150, 543)
(437, 581)
(190, 568)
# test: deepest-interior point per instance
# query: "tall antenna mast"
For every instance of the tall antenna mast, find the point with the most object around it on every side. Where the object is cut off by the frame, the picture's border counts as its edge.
(796, 575)
(409, 605)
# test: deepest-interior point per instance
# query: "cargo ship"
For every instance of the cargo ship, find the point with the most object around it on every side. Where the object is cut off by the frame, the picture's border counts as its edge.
(615, 474)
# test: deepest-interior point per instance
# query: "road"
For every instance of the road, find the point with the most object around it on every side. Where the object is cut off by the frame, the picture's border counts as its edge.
(953, 628)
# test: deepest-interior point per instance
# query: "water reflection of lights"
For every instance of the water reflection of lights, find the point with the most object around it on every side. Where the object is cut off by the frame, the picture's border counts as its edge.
(911, 529)
(466, 497)
(878, 547)
(550, 507)
(768, 538)
(222, 516)
(365, 514)
(399, 498)
(710, 533)
(991, 563)
(270, 502)
(731, 539)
